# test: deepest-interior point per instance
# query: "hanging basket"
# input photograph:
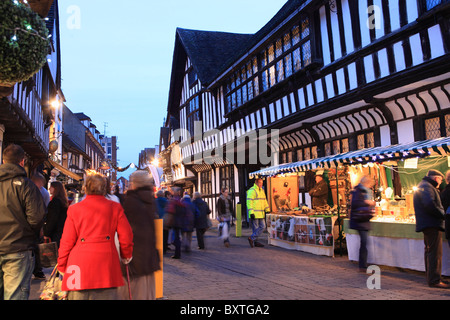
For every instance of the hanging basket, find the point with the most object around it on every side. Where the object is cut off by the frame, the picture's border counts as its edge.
(24, 43)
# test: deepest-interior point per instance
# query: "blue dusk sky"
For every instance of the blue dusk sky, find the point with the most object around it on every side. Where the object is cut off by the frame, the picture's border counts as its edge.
(117, 58)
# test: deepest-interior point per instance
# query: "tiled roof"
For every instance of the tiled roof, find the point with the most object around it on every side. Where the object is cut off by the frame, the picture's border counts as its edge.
(213, 52)
(208, 49)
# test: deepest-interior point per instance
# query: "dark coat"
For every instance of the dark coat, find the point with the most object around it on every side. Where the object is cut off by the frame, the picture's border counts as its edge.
(22, 210)
(362, 209)
(427, 206)
(201, 219)
(140, 210)
(221, 208)
(56, 217)
(189, 217)
(175, 212)
(445, 197)
(319, 194)
(161, 204)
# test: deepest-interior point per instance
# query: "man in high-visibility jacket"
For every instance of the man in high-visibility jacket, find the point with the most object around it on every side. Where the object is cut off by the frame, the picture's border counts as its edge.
(257, 207)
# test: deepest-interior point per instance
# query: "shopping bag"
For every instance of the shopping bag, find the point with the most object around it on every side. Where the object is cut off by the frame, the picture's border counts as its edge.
(48, 254)
(223, 227)
(52, 289)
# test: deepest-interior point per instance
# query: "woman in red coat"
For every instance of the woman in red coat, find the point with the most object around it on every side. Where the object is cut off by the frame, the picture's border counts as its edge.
(88, 257)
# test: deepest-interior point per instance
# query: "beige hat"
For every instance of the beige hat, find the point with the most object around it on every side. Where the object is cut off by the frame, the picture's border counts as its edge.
(141, 178)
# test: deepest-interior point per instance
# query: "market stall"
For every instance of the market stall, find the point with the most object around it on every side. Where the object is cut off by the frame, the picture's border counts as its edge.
(396, 169)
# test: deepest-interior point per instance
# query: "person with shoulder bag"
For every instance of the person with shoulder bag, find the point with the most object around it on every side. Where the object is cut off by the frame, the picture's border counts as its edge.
(362, 210)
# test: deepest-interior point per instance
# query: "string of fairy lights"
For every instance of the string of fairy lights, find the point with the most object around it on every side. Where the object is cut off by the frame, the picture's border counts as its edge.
(27, 27)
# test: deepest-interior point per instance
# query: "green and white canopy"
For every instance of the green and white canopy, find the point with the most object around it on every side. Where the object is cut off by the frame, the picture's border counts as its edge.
(436, 147)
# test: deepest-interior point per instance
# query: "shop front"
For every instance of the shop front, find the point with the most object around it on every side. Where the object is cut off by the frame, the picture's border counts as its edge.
(397, 170)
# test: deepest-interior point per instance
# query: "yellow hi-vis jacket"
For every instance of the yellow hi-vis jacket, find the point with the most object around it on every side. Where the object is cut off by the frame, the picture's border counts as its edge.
(257, 202)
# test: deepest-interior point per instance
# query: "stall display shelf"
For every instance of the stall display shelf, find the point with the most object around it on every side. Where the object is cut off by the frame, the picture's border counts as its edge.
(394, 244)
(313, 234)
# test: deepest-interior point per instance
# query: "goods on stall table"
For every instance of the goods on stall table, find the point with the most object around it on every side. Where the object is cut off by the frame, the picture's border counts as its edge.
(304, 230)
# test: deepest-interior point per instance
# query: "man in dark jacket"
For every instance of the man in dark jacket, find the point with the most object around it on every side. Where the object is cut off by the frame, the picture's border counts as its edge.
(319, 194)
(430, 220)
(22, 211)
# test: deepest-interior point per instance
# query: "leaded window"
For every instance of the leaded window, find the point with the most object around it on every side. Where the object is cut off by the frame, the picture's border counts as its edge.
(432, 128)
(278, 61)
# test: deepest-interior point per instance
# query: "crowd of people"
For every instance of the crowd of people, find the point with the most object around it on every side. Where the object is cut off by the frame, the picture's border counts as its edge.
(432, 211)
(106, 240)
(103, 239)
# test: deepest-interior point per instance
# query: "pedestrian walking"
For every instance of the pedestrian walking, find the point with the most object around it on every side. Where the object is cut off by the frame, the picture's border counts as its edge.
(22, 211)
(188, 225)
(140, 210)
(109, 194)
(225, 212)
(56, 213)
(161, 204)
(257, 207)
(445, 198)
(88, 257)
(40, 181)
(430, 220)
(176, 212)
(201, 219)
(362, 210)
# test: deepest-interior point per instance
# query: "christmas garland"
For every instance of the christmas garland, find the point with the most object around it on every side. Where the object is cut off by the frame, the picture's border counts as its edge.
(24, 43)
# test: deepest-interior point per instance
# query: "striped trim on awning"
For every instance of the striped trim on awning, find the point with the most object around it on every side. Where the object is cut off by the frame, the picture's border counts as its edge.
(434, 147)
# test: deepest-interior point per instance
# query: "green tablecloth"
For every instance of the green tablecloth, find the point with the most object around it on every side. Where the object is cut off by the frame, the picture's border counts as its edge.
(388, 229)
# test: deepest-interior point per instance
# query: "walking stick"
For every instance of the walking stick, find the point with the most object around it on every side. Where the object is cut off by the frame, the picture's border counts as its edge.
(128, 282)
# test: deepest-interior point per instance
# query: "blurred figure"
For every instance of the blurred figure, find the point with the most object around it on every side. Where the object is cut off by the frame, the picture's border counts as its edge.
(109, 195)
(40, 182)
(188, 224)
(430, 217)
(88, 257)
(57, 213)
(161, 204)
(201, 219)
(224, 215)
(177, 211)
(362, 210)
(445, 198)
(140, 210)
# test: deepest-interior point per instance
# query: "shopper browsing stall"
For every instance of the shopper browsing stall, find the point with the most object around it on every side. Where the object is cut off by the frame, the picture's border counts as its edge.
(430, 220)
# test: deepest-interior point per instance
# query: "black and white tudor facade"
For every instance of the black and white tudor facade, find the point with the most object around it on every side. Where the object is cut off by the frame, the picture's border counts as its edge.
(331, 76)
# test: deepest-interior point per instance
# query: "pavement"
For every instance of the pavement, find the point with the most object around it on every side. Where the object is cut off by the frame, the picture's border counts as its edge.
(240, 272)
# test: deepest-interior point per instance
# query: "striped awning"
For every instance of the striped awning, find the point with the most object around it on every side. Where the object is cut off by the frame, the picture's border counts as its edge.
(436, 147)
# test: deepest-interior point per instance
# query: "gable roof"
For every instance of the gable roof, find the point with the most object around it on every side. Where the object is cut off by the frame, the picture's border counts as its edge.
(213, 52)
(208, 49)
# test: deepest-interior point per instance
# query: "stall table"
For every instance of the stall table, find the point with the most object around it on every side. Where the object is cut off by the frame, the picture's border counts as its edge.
(394, 244)
(312, 234)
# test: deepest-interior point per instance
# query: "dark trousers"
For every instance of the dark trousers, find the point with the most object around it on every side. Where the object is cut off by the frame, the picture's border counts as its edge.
(177, 241)
(363, 235)
(433, 254)
(200, 237)
(165, 239)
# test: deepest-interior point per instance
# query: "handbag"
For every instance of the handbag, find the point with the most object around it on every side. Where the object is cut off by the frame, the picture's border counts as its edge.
(168, 220)
(48, 254)
(52, 289)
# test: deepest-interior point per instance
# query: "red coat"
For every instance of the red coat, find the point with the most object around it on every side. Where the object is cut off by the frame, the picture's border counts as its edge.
(87, 255)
